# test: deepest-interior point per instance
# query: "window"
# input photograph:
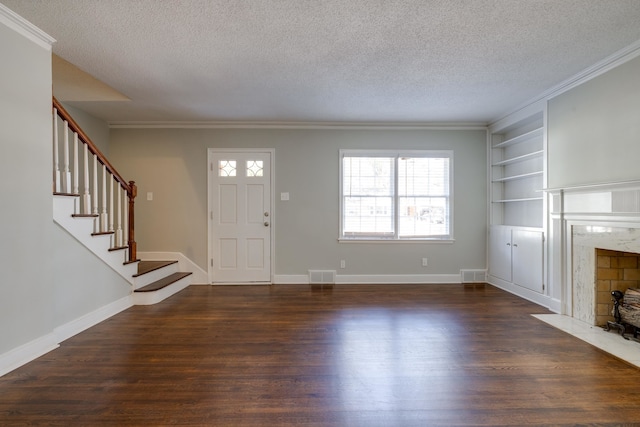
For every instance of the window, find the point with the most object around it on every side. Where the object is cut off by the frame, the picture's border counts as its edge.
(395, 195)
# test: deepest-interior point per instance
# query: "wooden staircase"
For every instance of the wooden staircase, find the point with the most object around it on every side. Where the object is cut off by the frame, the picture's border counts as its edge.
(152, 281)
(94, 204)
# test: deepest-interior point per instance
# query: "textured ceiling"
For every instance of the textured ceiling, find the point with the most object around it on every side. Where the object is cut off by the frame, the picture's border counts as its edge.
(329, 60)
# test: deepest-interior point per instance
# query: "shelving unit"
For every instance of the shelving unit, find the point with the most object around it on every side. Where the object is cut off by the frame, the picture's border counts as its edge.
(517, 215)
(517, 155)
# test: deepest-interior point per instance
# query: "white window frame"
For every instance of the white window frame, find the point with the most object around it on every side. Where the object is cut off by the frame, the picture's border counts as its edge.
(395, 154)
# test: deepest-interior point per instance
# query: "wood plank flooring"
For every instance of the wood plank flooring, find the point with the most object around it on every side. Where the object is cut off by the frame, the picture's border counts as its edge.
(354, 355)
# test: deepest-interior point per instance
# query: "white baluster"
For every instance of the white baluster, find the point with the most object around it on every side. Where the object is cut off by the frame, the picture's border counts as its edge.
(94, 193)
(119, 242)
(75, 163)
(125, 222)
(86, 196)
(74, 190)
(111, 211)
(56, 163)
(66, 175)
(103, 214)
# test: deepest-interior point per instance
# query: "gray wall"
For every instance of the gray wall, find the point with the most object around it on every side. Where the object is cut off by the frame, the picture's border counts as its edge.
(83, 283)
(594, 130)
(96, 129)
(172, 163)
(26, 243)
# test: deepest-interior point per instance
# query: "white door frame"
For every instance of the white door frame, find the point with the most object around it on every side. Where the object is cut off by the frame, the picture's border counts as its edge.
(211, 170)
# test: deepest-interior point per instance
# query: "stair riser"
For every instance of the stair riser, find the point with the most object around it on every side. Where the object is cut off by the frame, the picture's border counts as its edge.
(149, 298)
(152, 276)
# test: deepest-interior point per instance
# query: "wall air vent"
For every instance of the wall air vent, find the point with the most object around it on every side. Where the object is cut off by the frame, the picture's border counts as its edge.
(322, 276)
(473, 276)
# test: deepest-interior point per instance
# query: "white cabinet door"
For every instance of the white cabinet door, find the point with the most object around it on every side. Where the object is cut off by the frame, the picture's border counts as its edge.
(527, 250)
(500, 252)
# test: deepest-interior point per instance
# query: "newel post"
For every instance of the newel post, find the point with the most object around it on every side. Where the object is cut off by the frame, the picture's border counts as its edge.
(132, 241)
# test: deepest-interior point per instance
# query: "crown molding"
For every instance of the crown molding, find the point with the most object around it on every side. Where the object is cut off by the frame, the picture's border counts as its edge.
(618, 58)
(297, 125)
(20, 25)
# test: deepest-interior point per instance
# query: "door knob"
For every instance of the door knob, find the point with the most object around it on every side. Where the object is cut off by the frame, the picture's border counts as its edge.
(266, 223)
(266, 214)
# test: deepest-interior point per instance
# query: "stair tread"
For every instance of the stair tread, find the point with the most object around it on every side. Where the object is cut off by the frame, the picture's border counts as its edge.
(148, 266)
(164, 282)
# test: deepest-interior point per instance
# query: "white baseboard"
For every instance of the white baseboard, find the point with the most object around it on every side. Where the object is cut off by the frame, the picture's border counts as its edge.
(199, 276)
(296, 279)
(535, 297)
(80, 324)
(373, 278)
(24, 354)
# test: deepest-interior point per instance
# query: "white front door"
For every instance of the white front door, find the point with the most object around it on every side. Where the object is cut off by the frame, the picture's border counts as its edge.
(240, 217)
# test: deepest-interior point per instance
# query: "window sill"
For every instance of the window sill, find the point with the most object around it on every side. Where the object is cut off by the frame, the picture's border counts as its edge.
(373, 240)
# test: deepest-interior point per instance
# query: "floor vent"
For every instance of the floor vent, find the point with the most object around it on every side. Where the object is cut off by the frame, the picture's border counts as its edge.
(322, 276)
(473, 276)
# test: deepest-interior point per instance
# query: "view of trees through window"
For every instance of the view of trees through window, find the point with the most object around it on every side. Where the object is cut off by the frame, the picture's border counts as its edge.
(395, 197)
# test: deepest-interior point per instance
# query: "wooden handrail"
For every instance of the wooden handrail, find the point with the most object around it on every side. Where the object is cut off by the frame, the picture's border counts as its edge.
(64, 114)
(129, 187)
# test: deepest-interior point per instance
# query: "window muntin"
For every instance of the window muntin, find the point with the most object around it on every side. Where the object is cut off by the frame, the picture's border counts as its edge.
(395, 195)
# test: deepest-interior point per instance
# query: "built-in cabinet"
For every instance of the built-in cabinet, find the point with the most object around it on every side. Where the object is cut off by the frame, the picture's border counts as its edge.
(517, 208)
(516, 256)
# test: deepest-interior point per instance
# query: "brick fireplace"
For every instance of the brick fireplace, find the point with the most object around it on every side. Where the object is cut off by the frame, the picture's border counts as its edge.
(615, 270)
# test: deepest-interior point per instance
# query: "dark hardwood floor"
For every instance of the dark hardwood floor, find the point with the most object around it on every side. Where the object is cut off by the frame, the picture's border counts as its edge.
(354, 355)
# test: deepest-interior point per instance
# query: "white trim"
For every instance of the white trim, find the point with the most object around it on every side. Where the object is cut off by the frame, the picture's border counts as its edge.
(545, 301)
(21, 26)
(199, 276)
(375, 279)
(618, 58)
(149, 298)
(282, 279)
(296, 125)
(83, 323)
(15, 358)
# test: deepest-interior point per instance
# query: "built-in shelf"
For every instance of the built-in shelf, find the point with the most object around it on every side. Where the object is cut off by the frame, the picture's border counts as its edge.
(536, 133)
(524, 199)
(517, 173)
(517, 159)
(520, 176)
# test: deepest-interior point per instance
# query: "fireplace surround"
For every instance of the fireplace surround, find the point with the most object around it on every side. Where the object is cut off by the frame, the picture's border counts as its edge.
(594, 247)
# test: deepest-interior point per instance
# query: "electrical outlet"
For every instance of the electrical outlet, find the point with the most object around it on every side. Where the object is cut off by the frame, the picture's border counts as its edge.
(343, 263)
(425, 262)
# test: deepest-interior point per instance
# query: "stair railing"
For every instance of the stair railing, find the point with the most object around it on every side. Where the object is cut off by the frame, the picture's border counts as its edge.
(106, 196)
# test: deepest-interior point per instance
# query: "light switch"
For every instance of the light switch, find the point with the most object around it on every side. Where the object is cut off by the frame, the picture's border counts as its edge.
(284, 196)
(149, 195)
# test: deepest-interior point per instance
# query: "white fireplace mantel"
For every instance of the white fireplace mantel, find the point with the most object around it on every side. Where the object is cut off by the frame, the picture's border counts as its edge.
(581, 219)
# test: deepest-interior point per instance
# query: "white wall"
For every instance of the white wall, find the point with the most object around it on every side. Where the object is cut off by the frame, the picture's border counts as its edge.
(26, 287)
(594, 130)
(172, 163)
